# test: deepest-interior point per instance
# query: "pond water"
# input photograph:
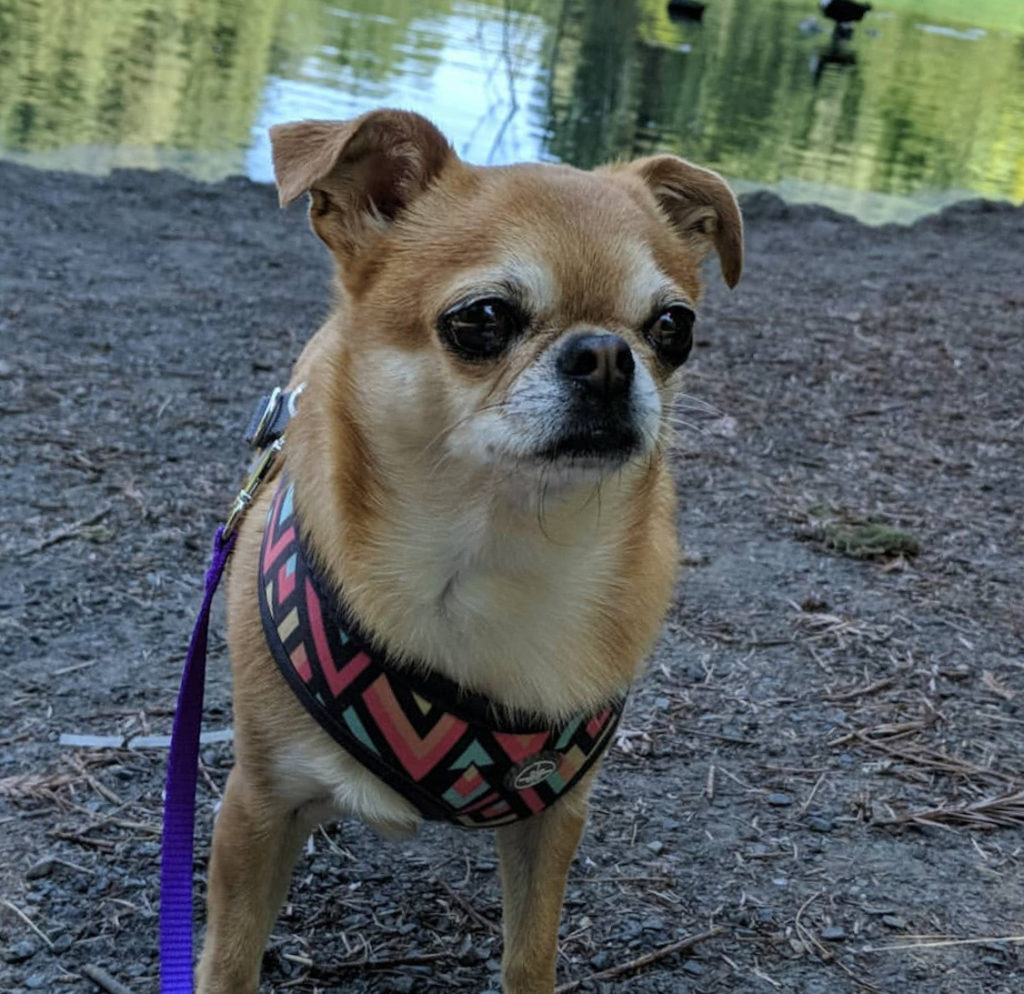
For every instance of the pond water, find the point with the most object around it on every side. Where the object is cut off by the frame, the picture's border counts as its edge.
(925, 104)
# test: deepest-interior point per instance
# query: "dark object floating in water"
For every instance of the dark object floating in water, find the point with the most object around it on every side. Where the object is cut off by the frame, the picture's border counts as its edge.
(844, 11)
(690, 9)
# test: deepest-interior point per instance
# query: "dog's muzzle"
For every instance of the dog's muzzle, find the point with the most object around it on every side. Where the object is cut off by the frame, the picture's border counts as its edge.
(597, 372)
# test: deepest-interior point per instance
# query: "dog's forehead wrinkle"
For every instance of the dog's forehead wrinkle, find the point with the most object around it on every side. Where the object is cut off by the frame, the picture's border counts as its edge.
(617, 281)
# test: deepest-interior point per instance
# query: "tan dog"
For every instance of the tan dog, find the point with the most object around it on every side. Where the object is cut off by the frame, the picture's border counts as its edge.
(479, 463)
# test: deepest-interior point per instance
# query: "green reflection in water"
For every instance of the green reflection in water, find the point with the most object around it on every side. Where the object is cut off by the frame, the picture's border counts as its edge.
(929, 106)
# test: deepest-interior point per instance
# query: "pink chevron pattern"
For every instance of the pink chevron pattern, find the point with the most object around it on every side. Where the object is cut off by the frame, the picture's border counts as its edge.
(418, 754)
(518, 747)
(284, 541)
(285, 582)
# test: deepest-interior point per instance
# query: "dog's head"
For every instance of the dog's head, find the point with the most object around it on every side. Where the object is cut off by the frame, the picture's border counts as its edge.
(529, 319)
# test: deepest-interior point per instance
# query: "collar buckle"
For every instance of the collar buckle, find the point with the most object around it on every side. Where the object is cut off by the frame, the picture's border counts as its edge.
(261, 428)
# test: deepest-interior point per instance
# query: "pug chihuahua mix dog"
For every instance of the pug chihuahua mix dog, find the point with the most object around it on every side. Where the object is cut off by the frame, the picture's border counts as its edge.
(438, 604)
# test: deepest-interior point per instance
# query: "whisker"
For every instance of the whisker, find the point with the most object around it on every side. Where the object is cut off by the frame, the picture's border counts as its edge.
(689, 425)
(688, 402)
(540, 504)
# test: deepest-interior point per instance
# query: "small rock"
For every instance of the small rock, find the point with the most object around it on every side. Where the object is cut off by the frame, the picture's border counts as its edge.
(834, 933)
(656, 847)
(820, 823)
(778, 800)
(62, 943)
(814, 605)
(38, 870)
(894, 921)
(36, 982)
(694, 968)
(20, 952)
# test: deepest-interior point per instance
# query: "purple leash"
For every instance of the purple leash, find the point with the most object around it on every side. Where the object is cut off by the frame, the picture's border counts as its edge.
(180, 795)
(266, 434)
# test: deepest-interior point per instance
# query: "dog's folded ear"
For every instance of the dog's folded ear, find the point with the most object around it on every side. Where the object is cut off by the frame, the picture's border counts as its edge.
(699, 206)
(361, 173)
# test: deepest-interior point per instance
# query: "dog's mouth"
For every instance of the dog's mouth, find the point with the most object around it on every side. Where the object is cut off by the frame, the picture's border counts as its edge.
(600, 442)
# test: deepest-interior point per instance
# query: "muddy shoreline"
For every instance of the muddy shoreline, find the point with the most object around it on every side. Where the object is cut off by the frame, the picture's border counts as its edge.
(823, 762)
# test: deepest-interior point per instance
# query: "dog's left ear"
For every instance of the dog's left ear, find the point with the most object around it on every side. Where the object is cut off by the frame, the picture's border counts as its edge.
(699, 206)
(362, 174)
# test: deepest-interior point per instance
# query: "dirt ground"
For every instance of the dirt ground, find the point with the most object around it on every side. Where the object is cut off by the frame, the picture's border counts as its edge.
(821, 772)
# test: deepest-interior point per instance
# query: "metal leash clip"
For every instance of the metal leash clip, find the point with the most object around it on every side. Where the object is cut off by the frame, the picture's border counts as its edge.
(259, 470)
(265, 433)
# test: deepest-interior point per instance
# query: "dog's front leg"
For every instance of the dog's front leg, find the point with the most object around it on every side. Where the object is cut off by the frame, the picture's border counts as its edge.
(535, 855)
(255, 845)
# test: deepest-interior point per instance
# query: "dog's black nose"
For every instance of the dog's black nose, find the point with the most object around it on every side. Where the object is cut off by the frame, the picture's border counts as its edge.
(603, 364)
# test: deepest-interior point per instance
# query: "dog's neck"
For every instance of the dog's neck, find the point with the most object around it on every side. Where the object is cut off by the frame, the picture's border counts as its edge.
(492, 578)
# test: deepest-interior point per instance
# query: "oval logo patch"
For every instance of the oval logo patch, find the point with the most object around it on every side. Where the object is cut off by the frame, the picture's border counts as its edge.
(533, 771)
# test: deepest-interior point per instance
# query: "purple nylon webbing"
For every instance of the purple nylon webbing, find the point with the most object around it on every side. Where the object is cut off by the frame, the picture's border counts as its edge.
(180, 795)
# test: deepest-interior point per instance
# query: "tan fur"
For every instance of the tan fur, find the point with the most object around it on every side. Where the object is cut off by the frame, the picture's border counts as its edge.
(542, 589)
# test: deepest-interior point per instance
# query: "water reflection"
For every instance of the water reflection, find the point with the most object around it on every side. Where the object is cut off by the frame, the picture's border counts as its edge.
(470, 66)
(918, 103)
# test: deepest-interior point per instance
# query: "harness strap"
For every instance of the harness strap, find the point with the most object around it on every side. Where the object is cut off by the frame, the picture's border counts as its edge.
(454, 755)
(180, 795)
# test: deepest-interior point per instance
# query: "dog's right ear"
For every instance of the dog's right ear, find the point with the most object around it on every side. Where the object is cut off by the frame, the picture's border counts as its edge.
(361, 174)
(698, 205)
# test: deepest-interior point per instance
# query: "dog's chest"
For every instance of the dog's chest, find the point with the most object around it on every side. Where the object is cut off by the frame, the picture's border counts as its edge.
(494, 606)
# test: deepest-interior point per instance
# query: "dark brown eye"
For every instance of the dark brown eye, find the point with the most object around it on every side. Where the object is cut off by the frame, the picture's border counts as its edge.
(481, 330)
(671, 334)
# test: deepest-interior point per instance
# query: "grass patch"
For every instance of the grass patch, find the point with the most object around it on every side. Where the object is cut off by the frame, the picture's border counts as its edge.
(870, 541)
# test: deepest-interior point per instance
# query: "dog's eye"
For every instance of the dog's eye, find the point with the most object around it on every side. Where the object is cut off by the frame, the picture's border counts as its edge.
(481, 330)
(671, 334)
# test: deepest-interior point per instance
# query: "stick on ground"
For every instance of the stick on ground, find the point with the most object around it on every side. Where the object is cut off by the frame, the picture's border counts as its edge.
(101, 978)
(661, 952)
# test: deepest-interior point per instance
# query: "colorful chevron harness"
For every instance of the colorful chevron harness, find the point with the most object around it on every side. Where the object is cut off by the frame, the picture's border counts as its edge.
(443, 749)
